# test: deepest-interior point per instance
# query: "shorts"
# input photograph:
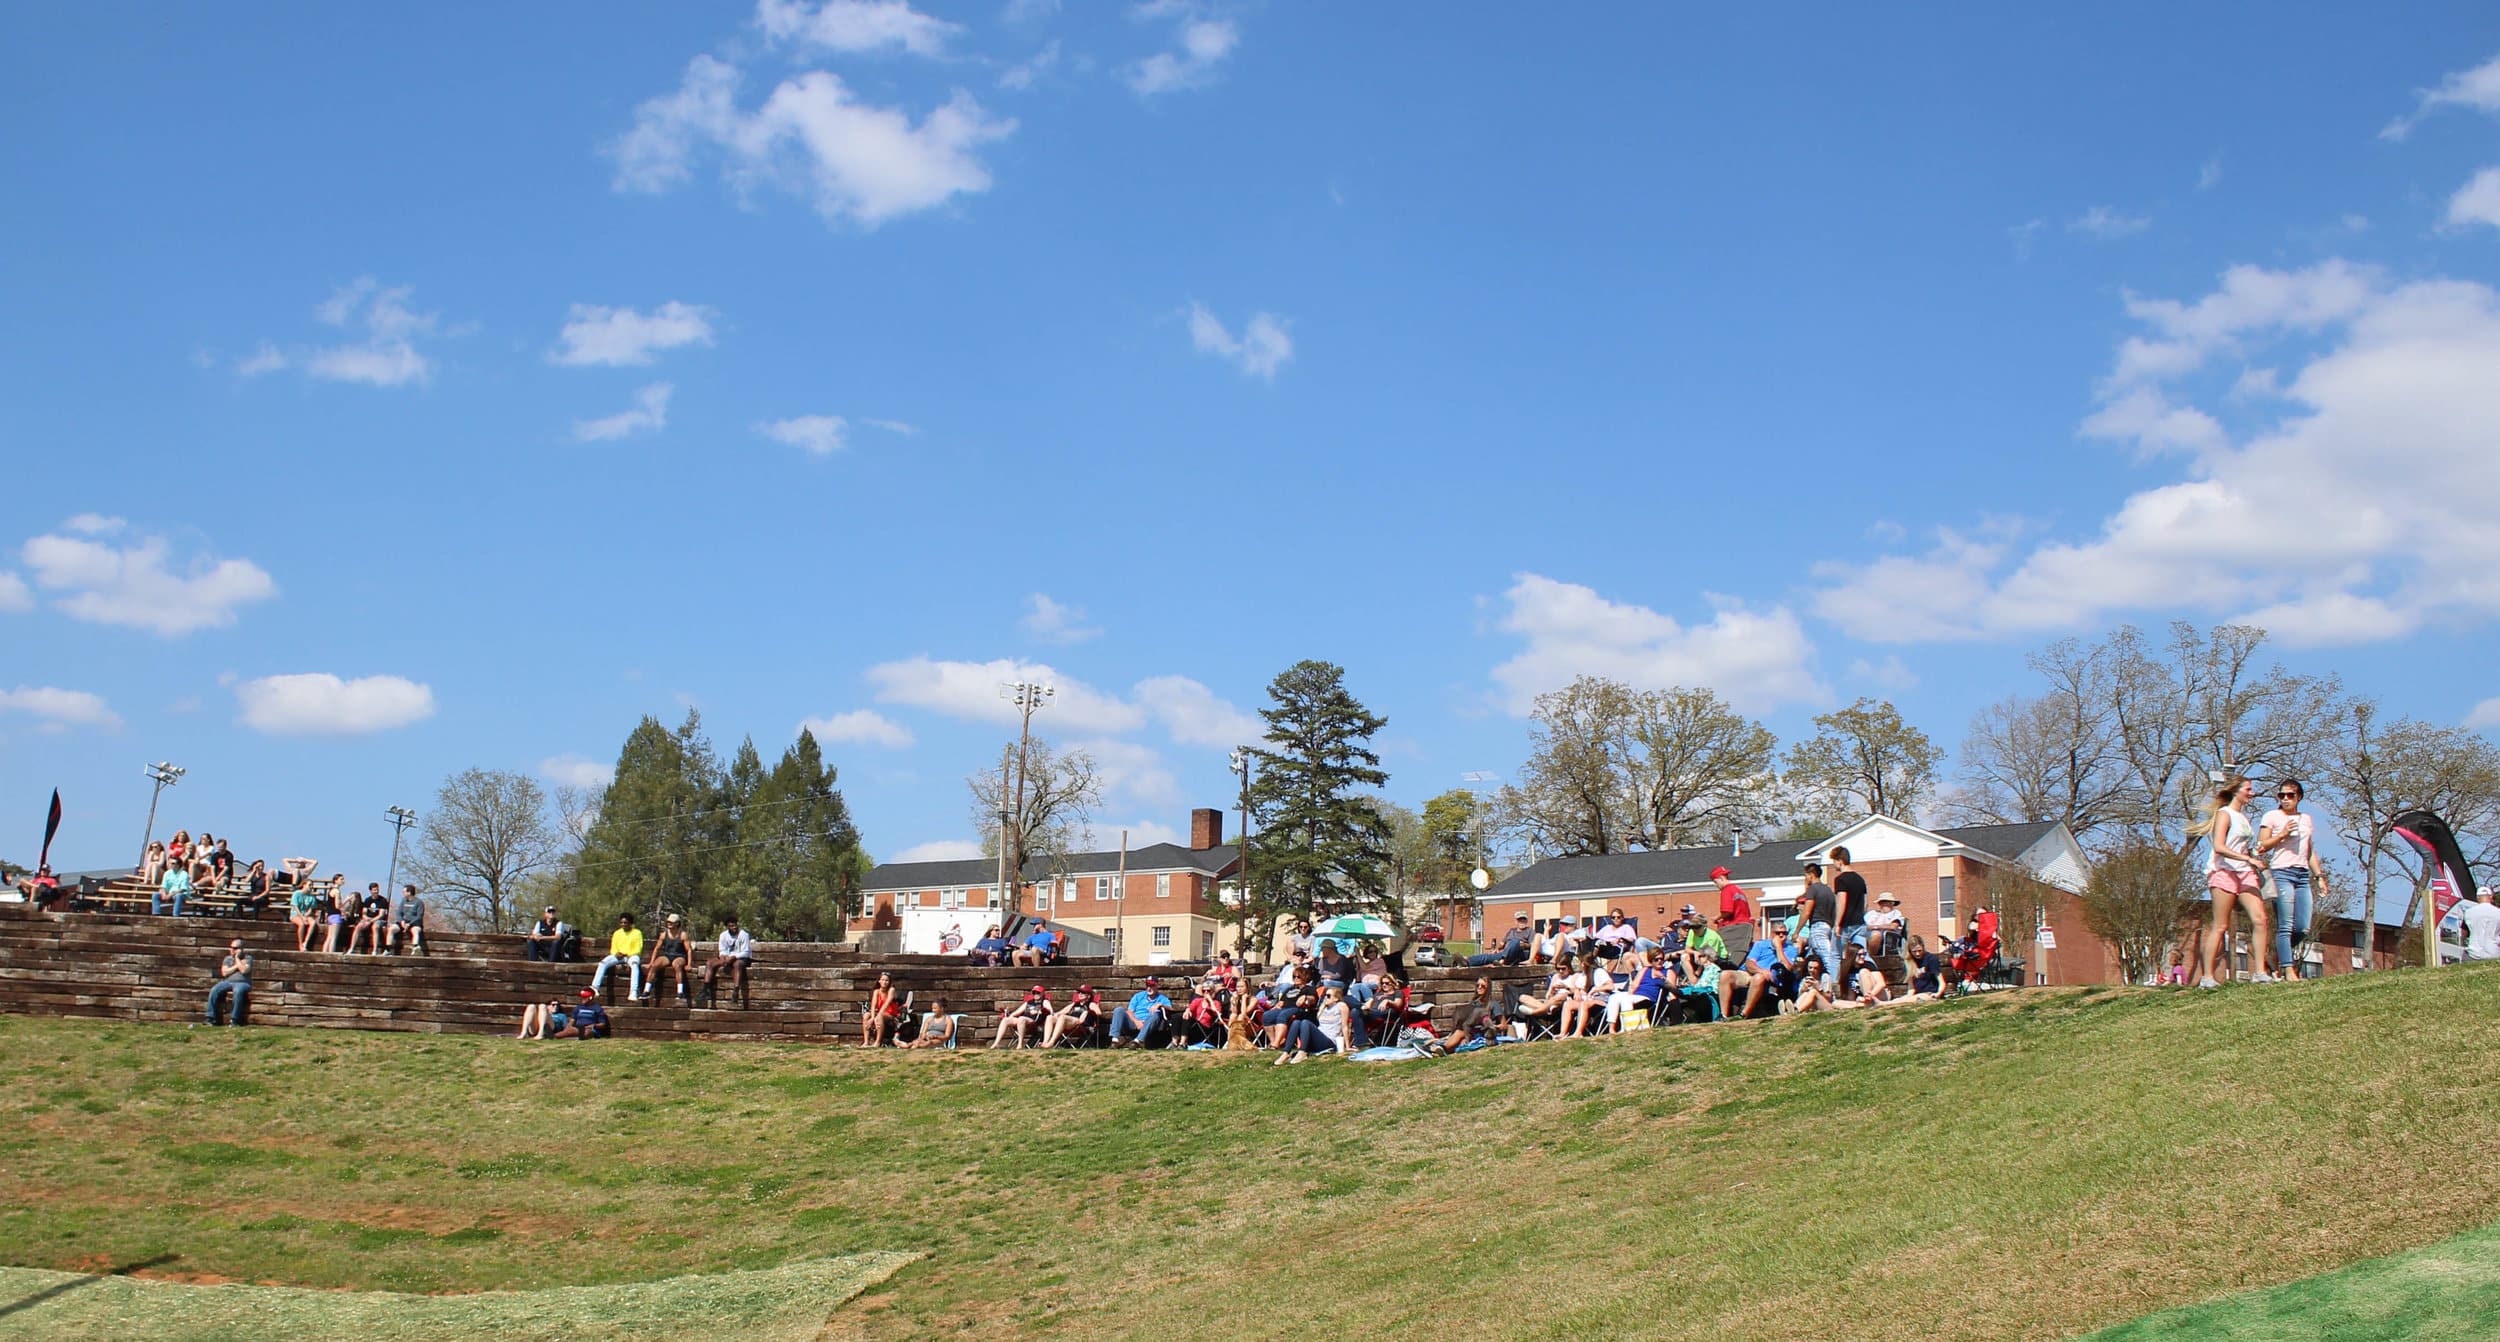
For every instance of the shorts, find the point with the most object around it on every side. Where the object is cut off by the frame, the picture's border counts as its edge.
(2231, 882)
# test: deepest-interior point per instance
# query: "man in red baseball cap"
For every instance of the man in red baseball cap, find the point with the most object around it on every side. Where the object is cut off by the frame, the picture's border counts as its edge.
(1735, 913)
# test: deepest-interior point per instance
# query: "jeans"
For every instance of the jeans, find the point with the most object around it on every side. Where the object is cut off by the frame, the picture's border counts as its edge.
(1305, 1036)
(634, 985)
(1822, 945)
(2291, 911)
(536, 949)
(1854, 934)
(1124, 1024)
(227, 993)
(1361, 994)
(156, 903)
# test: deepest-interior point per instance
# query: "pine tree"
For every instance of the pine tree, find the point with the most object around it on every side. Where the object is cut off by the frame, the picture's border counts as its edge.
(1321, 846)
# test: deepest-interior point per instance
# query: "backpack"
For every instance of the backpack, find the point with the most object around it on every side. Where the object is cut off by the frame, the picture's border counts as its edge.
(568, 944)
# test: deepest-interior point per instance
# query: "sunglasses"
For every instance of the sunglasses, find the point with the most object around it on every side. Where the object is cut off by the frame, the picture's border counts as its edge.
(2287, 796)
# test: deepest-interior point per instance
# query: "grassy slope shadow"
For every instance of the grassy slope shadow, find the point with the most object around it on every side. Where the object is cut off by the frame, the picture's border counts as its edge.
(2448, 1290)
(783, 1304)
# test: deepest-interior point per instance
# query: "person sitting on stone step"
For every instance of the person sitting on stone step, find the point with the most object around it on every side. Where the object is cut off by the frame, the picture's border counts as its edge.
(408, 923)
(732, 961)
(624, 948)
(671, 953)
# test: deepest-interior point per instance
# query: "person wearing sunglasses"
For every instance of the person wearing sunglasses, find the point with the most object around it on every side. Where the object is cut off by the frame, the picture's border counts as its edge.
(2287, 840)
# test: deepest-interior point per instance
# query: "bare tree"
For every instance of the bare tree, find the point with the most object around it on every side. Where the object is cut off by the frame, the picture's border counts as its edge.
(484, 837)
(1059, 794)
(2200, 704)
(2054, 757)
(2375, 770)
(2137, 901)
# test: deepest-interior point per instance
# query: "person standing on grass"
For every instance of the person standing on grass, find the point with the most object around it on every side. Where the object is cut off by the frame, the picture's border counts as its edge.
(2482, 927)
(1816, 909)
(2231, 880)
(1735, 912)
(2287, 840)
(1849, 888)
(234, 984)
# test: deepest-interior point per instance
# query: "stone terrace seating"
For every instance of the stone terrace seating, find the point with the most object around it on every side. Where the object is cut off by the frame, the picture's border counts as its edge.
(137, 967)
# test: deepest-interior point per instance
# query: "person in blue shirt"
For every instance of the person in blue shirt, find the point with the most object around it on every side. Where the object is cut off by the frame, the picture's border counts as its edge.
(1763, 962)
(590, 1020)
(1147, 1014)
(1038, 945)
(992, 949)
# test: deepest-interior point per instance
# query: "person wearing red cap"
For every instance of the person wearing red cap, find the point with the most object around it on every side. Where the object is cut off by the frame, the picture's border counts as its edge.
(1025, 1017)
(590, 1020)
(1735, 912)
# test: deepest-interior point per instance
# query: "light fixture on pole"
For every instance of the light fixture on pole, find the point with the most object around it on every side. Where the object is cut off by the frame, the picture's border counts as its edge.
(164, 775)
(1027, 696)
(401, 818)
(1481, 878)
(1241, 873)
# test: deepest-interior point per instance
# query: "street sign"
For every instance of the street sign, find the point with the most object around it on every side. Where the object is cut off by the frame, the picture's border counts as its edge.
(2048, 938)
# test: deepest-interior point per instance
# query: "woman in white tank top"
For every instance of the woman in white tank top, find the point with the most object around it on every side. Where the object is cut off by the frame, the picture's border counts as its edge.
(2231, 878)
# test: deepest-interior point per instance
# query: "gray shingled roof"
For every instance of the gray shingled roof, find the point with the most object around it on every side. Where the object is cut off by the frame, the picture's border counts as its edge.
(983, 871)
(1633, 871)
(2000, 841)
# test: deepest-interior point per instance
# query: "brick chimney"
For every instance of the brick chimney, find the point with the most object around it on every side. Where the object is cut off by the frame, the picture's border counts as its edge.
(1206, 828)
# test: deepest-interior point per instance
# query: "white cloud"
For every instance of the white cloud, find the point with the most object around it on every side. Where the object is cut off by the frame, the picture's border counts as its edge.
(2023, 235)
(1890, 675)
(132, 585)
(1195, 716)
(970, 690)
(853, 26)
(649, 415)
(2485, 714)
(1136, 772)
(387, 355)
(1757, 660)
(265, 359)
(58, 709)
(95, 524)
(822, 435)
(1022, 74)
(2477, 202)
(2477, 89)
(857, 162)
(2107, 224)
(1104, 836)
(2366, 509)
(893, 426)
(321, 704)
(2210, 175)
(1262, 348)
(863, 726)
(576, 771)
(1203, 45)
(14, 596)
(1055, 622)
(939, 850)
(614, 337)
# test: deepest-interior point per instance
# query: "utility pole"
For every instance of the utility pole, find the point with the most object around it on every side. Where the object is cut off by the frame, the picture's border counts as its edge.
(1119, 907)
(1026, 695)
(1003, 896)
(1241, 872)
(401, 818)
(165, 776)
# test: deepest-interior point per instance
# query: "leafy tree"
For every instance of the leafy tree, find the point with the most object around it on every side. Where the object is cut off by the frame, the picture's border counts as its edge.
(1863, 760)
(1321, 845)
(797, 863)
(485, 836)
(658, 828)
(1612, 769)
(2137, 901)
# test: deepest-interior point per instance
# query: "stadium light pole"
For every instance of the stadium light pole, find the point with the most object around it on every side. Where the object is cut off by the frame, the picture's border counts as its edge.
(1241, 874)
(1481, 878)
(165, 776)
(401, 818)
(1027, 696)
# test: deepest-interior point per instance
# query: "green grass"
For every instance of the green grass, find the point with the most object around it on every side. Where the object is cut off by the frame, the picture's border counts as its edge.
(2023, 1165)
(2450, 1290)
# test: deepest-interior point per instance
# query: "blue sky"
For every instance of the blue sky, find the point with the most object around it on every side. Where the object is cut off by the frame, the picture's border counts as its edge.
(391, 392)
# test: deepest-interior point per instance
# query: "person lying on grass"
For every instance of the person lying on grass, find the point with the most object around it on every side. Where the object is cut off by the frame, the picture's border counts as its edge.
(1077, 1020)
(1025, 1020)
(939, 1029)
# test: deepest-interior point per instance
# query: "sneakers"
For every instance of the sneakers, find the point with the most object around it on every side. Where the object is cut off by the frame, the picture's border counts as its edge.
(2263, 978)
(2207, 982)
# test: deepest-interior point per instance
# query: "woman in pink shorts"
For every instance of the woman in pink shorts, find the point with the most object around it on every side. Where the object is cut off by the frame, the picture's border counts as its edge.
(2231, 876)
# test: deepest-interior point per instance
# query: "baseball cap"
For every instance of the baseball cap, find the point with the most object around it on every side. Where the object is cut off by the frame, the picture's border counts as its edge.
(1718, 873)
(587, 994)
(1689, 910)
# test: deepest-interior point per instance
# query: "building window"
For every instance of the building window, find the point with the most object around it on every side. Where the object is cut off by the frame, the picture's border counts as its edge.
(1944, 899)
(1163, 938)
(1163, 886)
(1206, 945)
(1102, 887)
(953, 898)
(1041, 897)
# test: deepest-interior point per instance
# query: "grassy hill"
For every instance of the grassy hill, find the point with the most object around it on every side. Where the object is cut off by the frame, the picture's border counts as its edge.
(2028, 1164)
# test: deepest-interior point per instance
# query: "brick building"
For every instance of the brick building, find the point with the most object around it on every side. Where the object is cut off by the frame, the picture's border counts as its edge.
(1167, 903)
(1941, 877)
